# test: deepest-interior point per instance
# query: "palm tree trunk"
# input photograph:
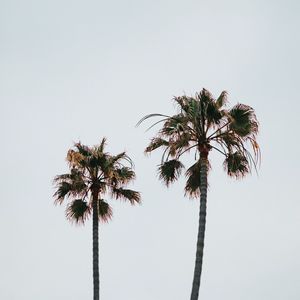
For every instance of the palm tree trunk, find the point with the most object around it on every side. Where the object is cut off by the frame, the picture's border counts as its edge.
(95, 247)
(201, 226)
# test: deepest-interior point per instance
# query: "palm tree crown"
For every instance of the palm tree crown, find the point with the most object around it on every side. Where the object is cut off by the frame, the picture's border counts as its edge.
(94, 171)
(204, 123)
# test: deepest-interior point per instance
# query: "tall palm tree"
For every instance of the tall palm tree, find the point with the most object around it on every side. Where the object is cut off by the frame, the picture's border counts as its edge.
(94, 173)
(204, 124)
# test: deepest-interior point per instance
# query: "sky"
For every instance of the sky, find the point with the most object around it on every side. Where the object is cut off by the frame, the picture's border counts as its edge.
(82, 70)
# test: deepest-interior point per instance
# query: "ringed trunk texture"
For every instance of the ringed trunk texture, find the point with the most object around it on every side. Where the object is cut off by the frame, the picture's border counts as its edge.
(95, 247)
(201, 226)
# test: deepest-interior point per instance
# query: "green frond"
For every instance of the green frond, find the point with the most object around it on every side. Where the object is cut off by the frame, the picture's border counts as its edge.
(243, 120)
(63, 190)
(170, 170)
(236, 164)
(222, 100)
(78, 211)
(230, 141)
(181, 142)
(192, 187)
(83, 150)
(193, 109)
(213, 113)
(174, 125)
(156, 143)
(122, 176)
(104, 211)
(126, 194)
(116, 159)
(63, 177)
(100, 148)
(67, 185)
(103, 162)
(149, 116)
(203, 98)
(183, 102)
(209, 109)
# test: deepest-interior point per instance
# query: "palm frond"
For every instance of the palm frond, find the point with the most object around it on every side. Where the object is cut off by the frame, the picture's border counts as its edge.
(126, 194)
(83, 149)
(149, 116)
(63, 177)
(156, 143)
(222, 100)
(170, 170)
(72, 184)
(193, 109)
(63, 190)
(243, 120)
(236, 164)
(229, 140)
(122, 176)
(100, 148)
(117, 159)
(179, 143)
(174, 125)
(213, 113)
(192, 187)
(104, 211)
(183, 102)
(78, 211)
(75, 158)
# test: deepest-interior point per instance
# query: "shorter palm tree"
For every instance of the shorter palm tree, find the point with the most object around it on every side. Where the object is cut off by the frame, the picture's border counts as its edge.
(93, 174)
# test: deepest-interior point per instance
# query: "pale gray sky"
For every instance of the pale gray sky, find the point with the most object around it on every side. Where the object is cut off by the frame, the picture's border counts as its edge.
(81, 70)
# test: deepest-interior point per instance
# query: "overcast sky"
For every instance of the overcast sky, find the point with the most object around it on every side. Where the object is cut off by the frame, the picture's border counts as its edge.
(81, 70)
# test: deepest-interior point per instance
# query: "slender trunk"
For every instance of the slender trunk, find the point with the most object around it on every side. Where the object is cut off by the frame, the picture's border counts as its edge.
(95, 247)
(201, 226)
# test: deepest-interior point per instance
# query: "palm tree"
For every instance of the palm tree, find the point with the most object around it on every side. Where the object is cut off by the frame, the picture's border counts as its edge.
(204, 124)
(94, 173)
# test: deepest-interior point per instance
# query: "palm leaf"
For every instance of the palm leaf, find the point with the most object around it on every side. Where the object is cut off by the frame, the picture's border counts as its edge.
(236, 164)
(156, 143)
(149, 116)
(183, 102)
(222, 100)
(63, 190)
(75, 158)
(179, 143)
(78, 211)
(174, 125)
(100, 148)
(82, 149)
(104, 211)
(213, 113)
(126, 194)
(122, 176)
(192, 187)
(170, 170)
(243, 120)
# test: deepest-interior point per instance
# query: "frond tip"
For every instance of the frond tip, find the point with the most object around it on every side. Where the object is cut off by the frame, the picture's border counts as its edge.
(170, 170)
